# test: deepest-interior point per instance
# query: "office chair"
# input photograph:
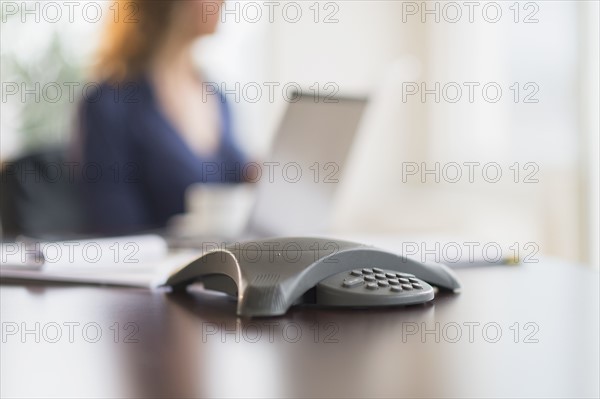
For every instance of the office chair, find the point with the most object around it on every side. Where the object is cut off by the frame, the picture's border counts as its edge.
(39, 196)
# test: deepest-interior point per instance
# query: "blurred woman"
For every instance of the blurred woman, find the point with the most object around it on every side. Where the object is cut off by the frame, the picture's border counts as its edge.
(149, 129)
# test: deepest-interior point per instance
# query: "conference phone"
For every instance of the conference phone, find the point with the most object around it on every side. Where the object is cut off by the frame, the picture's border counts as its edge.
(269, 276)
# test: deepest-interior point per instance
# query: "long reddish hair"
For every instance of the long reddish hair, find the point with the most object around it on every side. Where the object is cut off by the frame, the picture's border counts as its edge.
(131, 37)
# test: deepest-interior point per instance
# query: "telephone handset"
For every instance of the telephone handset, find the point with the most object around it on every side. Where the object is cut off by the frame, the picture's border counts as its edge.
(269, 276)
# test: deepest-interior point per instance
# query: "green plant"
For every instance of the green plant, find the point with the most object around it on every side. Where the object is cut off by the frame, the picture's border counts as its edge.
(44, 103)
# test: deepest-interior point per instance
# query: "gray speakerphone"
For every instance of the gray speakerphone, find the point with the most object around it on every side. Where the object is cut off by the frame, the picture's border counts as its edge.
(269, 276)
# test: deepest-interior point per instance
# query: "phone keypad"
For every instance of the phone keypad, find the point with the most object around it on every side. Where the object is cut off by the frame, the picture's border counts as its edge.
(372, 286)
(376, 278)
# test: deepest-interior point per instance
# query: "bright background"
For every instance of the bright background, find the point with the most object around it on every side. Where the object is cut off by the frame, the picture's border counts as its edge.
(548, 48)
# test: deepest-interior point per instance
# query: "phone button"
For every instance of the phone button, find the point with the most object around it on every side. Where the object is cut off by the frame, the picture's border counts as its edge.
(372, 286)
(397, 288)
(353, 282)
(380, 276)
(369, 278)
(383, 283)
(405, 275)
(367, 271)
(404, 280)
(417, 286)
(377, 270)
(394, 282)
(407, 286)
(356, 273)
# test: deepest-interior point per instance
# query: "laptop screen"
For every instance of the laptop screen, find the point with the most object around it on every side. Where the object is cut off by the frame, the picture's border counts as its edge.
(300, 177)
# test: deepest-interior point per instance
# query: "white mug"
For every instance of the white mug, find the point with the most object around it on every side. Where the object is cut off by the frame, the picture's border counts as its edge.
(221, 210)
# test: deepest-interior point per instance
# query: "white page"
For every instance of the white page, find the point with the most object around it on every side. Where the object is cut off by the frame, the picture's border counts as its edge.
(143, 261)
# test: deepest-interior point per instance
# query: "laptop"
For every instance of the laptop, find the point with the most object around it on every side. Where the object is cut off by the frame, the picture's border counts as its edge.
(308, 156)
(295, 192)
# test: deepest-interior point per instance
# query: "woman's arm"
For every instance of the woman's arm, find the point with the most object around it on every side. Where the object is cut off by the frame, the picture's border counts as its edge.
(233, 156)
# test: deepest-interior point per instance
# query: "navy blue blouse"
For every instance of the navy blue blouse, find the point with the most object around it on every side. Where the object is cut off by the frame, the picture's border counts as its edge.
(135, 166)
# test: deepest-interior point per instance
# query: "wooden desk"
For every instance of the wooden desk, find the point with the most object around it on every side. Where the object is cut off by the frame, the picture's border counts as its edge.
(192, 344)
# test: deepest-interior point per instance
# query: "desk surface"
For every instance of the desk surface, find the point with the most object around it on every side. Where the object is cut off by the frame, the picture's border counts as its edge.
(529, 330)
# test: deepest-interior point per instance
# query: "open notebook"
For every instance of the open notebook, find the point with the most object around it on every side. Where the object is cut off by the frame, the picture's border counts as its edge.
(140, 261)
